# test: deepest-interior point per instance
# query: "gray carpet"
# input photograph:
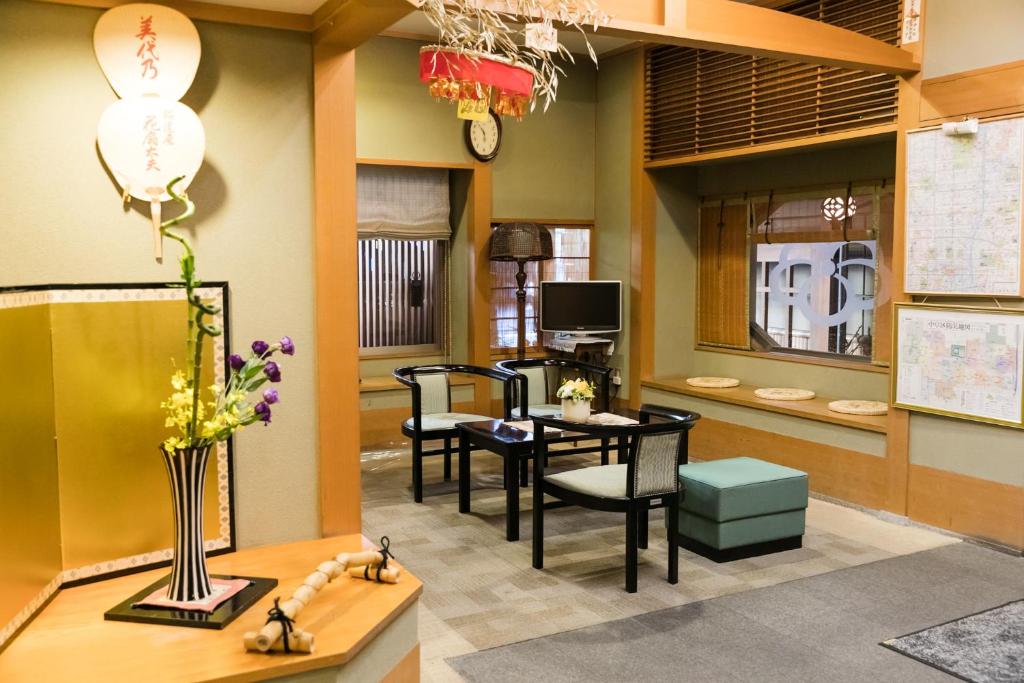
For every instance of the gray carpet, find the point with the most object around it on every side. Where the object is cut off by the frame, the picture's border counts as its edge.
(988, 646)
(826, 627)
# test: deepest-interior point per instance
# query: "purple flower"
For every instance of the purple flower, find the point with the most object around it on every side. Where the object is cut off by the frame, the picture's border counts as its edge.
(236, 362)
(272, 371)
(260, 347)
(262, 410)
(270, 396)
(287, 346)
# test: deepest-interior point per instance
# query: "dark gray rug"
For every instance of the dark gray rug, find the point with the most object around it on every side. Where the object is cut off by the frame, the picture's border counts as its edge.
(986, 646)
(822, 628)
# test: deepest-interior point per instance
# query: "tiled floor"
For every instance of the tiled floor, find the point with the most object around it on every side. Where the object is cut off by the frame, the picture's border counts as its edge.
(481, 591)
(823, 628)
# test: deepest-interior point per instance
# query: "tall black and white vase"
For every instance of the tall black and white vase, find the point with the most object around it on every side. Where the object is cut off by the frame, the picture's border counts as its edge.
(186, 470)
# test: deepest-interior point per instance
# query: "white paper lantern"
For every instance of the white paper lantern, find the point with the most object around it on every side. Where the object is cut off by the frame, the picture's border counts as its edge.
(147, 142)
(147, 49)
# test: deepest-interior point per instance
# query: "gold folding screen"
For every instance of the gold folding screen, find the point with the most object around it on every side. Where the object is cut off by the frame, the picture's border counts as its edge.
(83, 491)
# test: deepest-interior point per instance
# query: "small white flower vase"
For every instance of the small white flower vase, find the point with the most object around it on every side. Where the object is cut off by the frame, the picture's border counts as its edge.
(575, 411)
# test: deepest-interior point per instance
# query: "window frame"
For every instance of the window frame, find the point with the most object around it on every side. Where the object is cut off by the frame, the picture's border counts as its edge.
(752, 200)
(502, 352)
(442, 285)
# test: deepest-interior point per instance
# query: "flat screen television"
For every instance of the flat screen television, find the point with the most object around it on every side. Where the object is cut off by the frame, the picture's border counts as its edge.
(581, 307)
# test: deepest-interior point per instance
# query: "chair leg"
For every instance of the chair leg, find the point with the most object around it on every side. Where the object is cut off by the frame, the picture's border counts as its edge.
(417, 470)
(631, 548)
(604, 451)
(642, 526)
(447, 459)
(538, 526)
(524, 472)
(672, 510)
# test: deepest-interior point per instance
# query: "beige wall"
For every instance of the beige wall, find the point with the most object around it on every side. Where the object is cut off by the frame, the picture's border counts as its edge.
(61, 218)
(960, 36)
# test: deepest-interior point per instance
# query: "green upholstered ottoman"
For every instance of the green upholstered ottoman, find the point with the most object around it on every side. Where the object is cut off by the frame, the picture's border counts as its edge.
(741, 507)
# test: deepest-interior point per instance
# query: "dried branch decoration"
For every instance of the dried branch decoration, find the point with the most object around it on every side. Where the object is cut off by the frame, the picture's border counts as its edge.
(474, 29)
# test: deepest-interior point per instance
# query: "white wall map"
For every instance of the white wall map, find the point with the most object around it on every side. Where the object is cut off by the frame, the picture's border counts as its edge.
(963, 362)
(964, 210)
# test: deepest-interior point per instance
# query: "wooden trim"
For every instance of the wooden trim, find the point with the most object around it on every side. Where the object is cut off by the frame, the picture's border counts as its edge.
(206, 11)
(982, 93)
(345, 24)
(642, 231)
(451, 165)
(582, 223)
(479, 282)
(797, 358)
(975, 507)
(366, 354)
(407, 670)
(337, 319)
(753, 151)
(743, 395)
(831, 471)
(897, 446)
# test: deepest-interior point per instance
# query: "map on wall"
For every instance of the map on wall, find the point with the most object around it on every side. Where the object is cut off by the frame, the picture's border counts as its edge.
(964, 362)
(964, 210)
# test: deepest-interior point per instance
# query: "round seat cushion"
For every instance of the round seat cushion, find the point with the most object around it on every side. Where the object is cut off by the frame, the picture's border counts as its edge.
(543, 410)
(604, 481)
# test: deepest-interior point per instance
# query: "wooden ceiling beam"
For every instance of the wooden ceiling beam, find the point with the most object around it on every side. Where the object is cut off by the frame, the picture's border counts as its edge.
(346, 24)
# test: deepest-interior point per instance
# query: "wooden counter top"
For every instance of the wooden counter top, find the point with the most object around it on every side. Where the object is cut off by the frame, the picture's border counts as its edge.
(70, 641)
(743, 395)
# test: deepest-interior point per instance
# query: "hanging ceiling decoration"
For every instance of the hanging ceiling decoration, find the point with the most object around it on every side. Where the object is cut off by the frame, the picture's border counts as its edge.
(486, 58)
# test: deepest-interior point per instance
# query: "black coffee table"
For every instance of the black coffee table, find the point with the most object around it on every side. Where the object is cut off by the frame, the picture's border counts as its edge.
(515, 446)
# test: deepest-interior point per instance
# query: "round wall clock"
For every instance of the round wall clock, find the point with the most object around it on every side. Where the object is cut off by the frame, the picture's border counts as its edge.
(483, 138)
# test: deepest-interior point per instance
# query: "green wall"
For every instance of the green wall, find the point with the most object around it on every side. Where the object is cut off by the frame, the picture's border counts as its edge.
(61, 218)
(544, 170)
(612, 219)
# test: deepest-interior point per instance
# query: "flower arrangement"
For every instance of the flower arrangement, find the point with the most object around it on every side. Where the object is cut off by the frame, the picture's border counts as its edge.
(231, 406)
(576, 390)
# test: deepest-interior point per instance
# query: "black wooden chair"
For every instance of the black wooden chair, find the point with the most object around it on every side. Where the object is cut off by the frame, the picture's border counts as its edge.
(648, 479)
(432, 417)
(535, 385)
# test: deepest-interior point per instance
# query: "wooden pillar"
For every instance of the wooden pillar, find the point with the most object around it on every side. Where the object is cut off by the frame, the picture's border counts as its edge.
(897, 440)
(479, 282)
(337, 315)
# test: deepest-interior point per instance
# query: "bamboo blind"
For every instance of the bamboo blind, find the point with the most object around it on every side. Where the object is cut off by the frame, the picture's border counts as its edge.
(723, 271)
(702, 101)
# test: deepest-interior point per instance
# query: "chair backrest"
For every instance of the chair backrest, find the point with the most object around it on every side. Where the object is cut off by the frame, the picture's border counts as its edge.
(431, 390)
(557, 369)
(435, 393)
(655, 449)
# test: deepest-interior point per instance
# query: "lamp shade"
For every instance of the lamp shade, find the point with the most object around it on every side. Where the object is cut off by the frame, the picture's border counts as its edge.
(521, 242)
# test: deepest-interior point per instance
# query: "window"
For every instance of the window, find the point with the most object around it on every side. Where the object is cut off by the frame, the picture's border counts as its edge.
(571, 246)
(799, 273)
(401, 294)
(404, 231)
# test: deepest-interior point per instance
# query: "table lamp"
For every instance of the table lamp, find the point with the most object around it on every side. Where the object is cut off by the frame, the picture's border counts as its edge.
(521, 242)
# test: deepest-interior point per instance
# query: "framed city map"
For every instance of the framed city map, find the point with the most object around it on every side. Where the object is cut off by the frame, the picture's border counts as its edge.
(963, 212)
(960, 361)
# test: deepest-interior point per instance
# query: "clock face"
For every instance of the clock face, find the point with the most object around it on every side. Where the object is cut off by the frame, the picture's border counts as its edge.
(484, 137)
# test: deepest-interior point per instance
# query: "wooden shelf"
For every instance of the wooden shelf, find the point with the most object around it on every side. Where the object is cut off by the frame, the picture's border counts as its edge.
(743, 395)
(389, 383)
(70, 641)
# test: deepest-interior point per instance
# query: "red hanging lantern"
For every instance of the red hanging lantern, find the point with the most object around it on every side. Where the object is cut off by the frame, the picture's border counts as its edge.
(457, 76)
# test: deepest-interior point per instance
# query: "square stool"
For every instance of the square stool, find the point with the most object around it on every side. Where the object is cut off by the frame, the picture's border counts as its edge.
(741, 507)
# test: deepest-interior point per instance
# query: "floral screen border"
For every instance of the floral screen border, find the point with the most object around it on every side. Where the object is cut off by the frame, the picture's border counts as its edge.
(15, 297)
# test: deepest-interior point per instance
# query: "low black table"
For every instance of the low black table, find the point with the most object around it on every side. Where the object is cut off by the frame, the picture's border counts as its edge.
(515, 446)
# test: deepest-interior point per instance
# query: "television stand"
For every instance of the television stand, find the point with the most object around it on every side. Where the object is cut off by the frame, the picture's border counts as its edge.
(595, 350)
